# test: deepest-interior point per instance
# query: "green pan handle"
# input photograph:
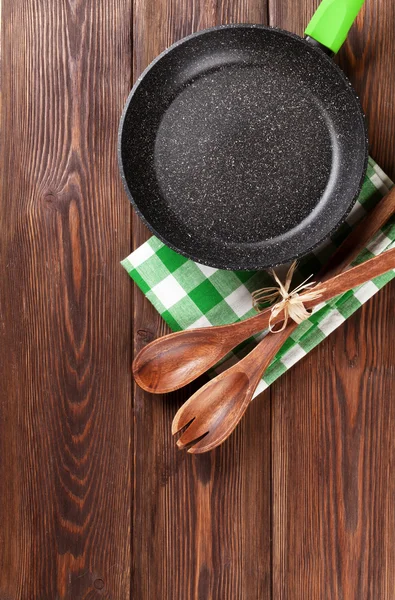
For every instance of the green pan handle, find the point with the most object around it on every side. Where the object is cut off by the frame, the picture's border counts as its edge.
(332, 21)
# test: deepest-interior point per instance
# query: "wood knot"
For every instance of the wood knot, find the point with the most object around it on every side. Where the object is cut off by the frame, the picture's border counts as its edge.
(145, 335)
(55, 201)
(99, 584)
(50, 199)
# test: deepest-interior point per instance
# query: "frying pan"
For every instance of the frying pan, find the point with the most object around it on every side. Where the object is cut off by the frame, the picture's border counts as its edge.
(244, 146)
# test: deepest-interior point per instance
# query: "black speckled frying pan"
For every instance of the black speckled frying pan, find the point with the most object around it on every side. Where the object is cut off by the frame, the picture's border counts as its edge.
(242, 146)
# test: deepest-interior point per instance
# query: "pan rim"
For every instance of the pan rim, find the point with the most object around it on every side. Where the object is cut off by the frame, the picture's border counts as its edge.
(253, 266)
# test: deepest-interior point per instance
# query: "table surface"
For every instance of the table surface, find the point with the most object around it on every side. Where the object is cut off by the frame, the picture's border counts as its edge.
(95, 500)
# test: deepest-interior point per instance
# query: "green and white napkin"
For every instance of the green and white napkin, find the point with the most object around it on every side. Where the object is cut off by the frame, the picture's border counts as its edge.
(190, 295)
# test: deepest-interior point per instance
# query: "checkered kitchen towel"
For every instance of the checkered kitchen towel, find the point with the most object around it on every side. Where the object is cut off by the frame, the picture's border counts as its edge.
(190, 295)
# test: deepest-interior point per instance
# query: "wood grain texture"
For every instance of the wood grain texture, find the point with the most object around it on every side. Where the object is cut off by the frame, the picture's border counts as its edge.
(332, 450)
(332, 414)
(65, 393)
(195, 518)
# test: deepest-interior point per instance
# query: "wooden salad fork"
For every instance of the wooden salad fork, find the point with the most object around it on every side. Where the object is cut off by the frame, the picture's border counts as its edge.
(175, 360)
(213, 412)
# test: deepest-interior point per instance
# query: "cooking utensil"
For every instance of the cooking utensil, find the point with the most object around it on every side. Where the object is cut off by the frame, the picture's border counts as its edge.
(244, 146)
(175, 360)
(213, 412)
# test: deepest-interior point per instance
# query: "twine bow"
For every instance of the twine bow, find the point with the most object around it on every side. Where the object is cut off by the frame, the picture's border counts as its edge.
(292, 303)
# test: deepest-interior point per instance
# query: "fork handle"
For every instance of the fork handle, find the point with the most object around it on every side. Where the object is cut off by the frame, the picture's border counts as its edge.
(260, 357)
(258, 360)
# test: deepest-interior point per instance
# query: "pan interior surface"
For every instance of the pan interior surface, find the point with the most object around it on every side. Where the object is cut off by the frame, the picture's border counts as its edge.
(243, 147)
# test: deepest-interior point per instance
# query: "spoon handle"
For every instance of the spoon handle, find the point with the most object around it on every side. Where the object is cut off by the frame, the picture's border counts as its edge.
(348, 251)
(356, 276)
(154, 363)
(338, 263)
(348, 280)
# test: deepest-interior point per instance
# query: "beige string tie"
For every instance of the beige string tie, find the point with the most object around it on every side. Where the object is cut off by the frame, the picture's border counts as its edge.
(292, 303)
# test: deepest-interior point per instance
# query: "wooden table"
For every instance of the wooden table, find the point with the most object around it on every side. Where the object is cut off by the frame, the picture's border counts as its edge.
(95, 500)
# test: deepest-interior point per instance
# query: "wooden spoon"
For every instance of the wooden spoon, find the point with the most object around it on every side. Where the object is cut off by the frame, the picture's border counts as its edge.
(213, 412)
(175, 360)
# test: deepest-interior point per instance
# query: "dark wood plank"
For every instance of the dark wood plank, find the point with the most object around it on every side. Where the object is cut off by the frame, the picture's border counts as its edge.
(333, 508)
(333, 489)
(65, 304)
(201, 524)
